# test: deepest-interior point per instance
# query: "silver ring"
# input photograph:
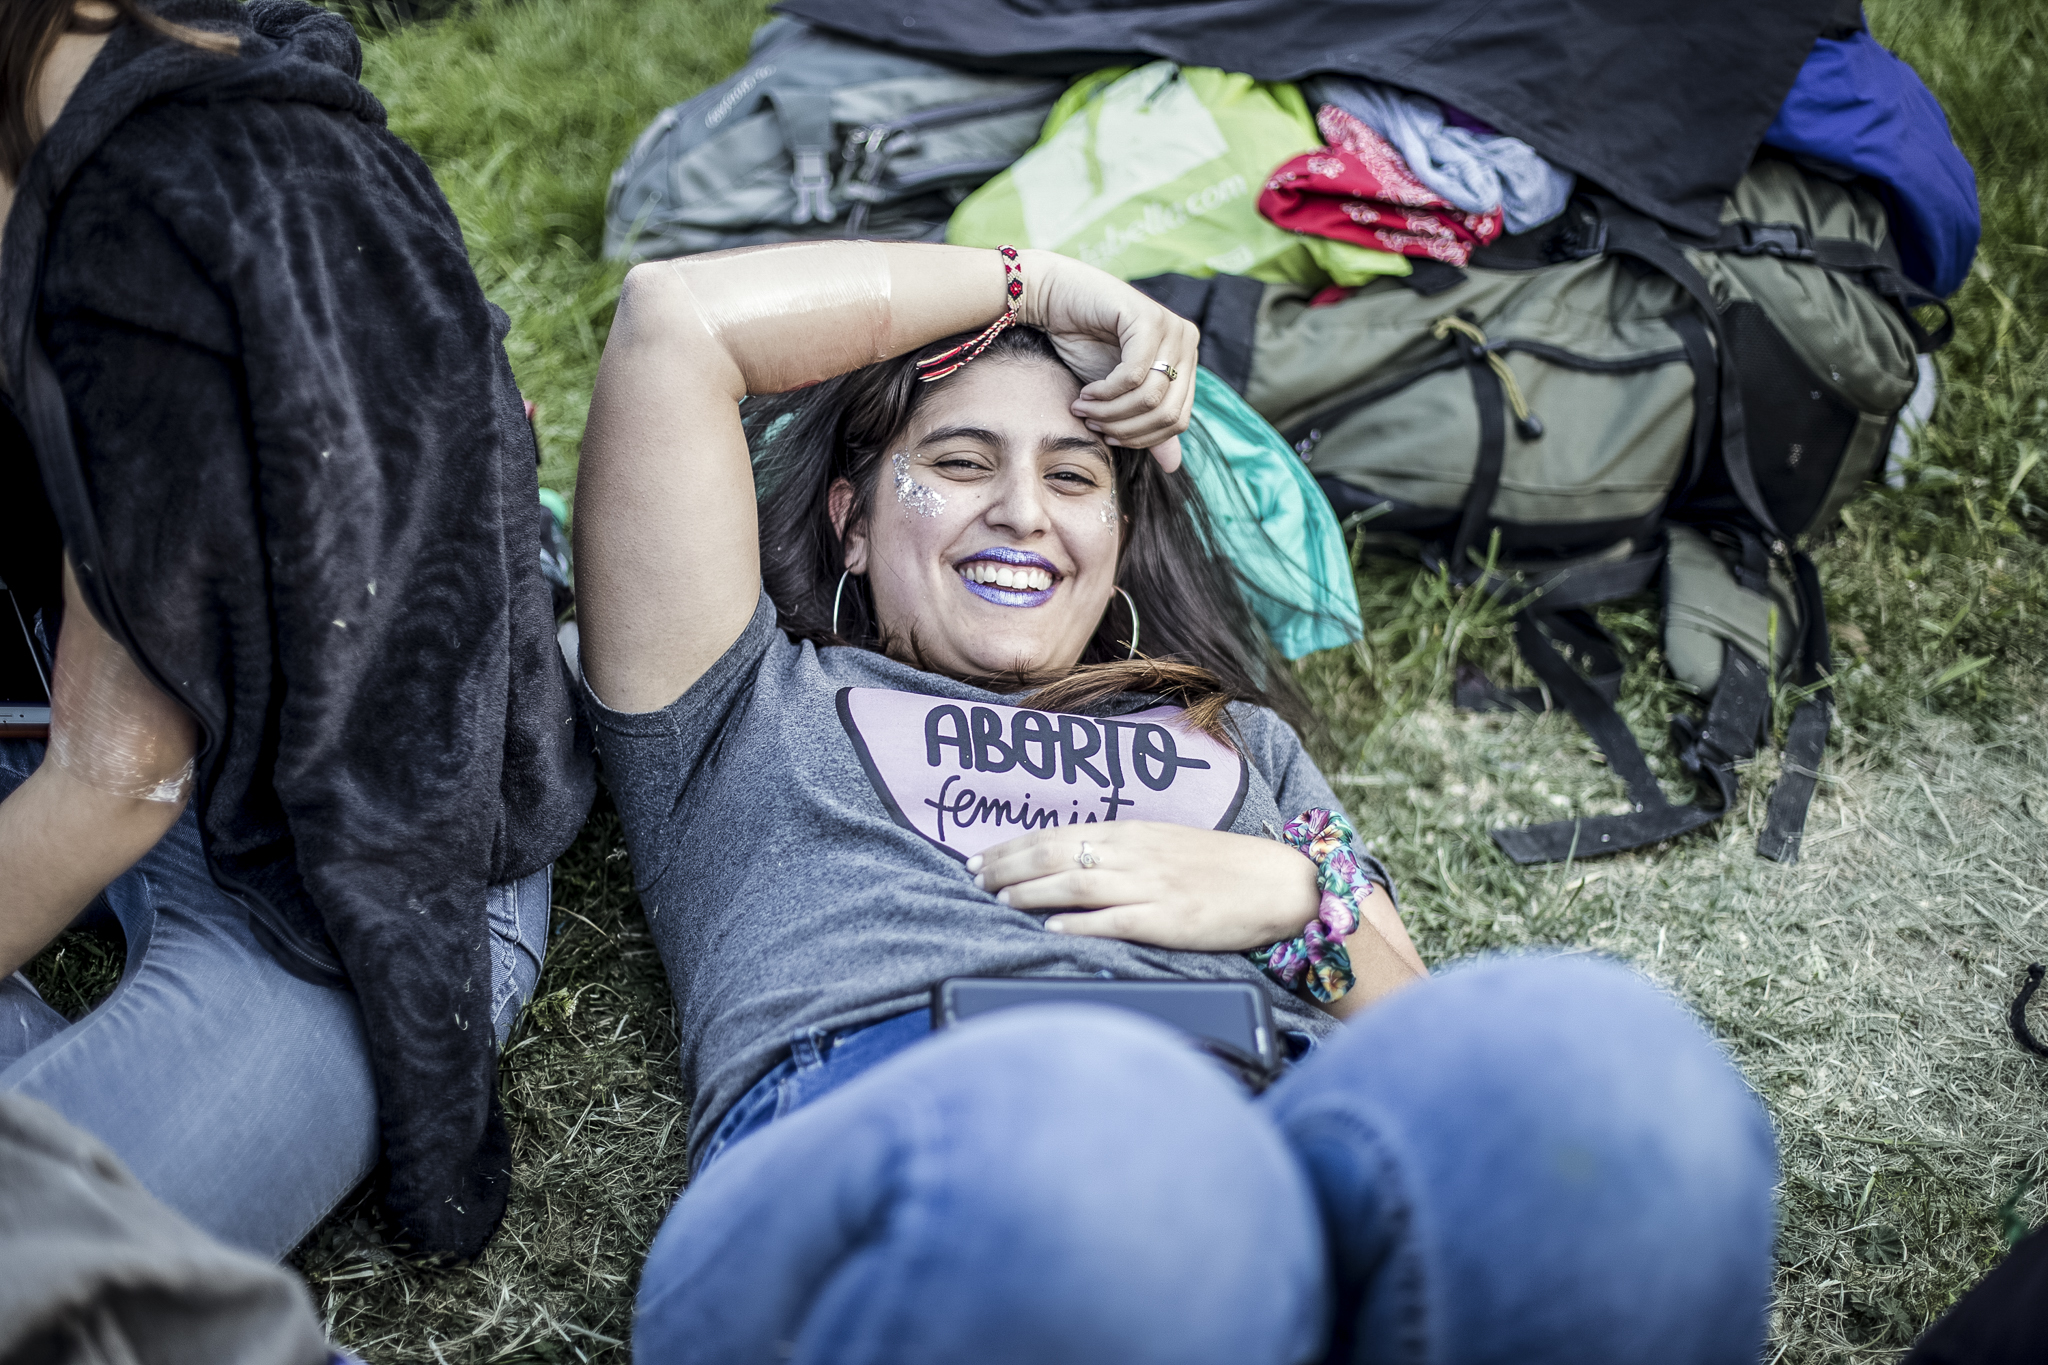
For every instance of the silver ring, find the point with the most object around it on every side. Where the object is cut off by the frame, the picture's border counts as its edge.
(1169, 371)
(1086, 857)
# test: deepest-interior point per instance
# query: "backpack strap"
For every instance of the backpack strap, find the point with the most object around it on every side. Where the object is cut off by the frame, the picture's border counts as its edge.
(1226, 308)
(1741, 705)
(1560, 615)
(1628, 233)
(1493, 388)
(1706, 389)
(1790, 242)
(1493, 445)
(2017, 1015)
(1631, 234)
(1736, 721)
(1563, 594)
(805, 117)
(1472, 690)
(1807, 737)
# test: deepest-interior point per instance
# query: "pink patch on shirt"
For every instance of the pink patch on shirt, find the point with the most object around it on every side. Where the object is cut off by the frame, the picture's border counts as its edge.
(967, 775)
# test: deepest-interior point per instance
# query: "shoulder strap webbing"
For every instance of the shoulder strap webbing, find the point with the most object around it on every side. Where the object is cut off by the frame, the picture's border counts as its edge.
(1428, 278)
(1791, 242)
(1807, 738)
(1624, 232)
(1555, 592)
(1630, 234)
(1706, 389)
(805, 117)
(1493, 444)
(1602, 668)
(1226, 308)
(1741, 705)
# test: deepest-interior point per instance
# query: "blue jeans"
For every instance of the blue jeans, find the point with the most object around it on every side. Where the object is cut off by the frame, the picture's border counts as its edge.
(1541, 1161)
(237, 1093)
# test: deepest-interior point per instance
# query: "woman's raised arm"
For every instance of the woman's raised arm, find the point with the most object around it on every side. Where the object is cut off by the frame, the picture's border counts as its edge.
(667, 556)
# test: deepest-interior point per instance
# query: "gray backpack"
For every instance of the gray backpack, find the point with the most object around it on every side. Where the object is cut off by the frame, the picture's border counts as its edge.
(1612, 409)
(819, 136)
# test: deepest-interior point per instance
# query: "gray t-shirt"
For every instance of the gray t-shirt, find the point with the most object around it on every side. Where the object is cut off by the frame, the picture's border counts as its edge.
(799, 821)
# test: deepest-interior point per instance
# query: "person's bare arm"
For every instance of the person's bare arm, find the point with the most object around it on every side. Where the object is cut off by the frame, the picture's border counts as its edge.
(1383, 958)
(112, 782)
(667, 556)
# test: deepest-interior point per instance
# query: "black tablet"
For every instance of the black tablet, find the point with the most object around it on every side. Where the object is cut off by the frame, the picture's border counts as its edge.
(1230, 1018)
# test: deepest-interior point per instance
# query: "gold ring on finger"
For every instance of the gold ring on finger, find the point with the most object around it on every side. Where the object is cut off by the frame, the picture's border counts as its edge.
(1086, 857)
(1168, 370)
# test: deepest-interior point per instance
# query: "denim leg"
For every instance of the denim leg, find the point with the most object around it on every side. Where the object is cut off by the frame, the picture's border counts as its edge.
(518, 914)
(1064, 1183)
(1543, 1161)
(819, 1062)
(237, 1093)
(26, 1020)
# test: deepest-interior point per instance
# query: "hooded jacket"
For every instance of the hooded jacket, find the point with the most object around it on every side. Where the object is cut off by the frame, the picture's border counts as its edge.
(270, 414)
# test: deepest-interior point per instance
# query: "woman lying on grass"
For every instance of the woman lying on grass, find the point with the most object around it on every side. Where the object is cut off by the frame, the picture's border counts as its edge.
(891, 723)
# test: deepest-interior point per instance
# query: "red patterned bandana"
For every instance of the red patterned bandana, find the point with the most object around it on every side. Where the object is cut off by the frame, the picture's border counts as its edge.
(1358, 189)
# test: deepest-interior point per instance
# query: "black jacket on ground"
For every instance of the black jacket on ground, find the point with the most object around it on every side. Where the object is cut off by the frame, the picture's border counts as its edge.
(1663, 104)
(2002, 1320)
(301, 490)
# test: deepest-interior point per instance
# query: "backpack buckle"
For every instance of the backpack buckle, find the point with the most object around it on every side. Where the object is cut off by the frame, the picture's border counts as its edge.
(1699, 747)
(811, 182)
(1586, 240)
(1787, 241)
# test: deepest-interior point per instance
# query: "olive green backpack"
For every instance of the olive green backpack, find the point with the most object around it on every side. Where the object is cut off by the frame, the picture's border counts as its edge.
(1620, 408)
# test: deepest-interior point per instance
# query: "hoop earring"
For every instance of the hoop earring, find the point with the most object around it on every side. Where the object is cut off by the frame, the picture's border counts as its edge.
(838, 593)
(1134, 624)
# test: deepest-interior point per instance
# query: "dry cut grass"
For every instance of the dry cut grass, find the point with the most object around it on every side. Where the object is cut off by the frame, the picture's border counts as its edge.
(1863, 991)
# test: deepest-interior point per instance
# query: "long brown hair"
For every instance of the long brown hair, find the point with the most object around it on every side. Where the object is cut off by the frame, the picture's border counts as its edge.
(29, 29)
(1203, 647)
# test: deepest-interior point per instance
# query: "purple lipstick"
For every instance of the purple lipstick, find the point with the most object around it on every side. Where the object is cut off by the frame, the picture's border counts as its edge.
(1009, 578)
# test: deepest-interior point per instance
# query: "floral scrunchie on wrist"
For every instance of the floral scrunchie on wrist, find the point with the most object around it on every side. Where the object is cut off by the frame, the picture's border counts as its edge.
(1315, 960)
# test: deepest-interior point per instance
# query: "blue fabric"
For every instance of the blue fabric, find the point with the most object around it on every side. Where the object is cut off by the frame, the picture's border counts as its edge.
(1542, 1160)
(237, 1093)
(819, 1062)
(1477, 172)
(1857, 106)
(1272, 522)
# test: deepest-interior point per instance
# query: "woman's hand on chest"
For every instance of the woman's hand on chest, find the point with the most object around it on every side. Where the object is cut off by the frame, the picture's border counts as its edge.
(1172, 886)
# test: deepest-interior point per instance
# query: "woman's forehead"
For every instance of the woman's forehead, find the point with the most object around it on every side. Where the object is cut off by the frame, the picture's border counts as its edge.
(1013, 407)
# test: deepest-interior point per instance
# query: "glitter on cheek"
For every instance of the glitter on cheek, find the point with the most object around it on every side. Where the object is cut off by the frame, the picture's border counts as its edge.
(1108, 510)
(926, 502)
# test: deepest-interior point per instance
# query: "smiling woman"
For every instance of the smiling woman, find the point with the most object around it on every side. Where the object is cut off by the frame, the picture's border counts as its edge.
(1112, 543)
(858, 707)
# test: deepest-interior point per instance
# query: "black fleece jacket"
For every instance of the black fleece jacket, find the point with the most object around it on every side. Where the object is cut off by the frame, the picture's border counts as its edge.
(298, 484)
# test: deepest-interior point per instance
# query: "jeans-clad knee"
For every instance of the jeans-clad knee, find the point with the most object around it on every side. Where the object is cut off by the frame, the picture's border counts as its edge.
(1540, 1159)
(1063, 1183)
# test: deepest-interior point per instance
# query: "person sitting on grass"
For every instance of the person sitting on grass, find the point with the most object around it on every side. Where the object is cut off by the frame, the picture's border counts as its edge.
(272, 499)
(948, 682)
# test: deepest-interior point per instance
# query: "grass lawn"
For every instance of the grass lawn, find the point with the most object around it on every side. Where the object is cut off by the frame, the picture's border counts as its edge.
(1863, 991)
